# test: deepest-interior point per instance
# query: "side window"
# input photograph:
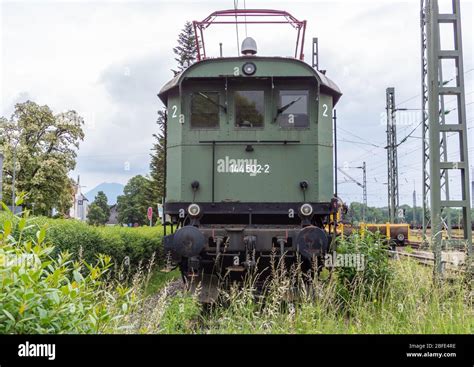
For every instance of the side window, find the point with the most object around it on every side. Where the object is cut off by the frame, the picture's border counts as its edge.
(293, 110)
(205, 110)
(249, 108)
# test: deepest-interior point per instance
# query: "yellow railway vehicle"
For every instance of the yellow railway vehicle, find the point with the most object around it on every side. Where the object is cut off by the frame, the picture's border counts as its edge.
(398, 234)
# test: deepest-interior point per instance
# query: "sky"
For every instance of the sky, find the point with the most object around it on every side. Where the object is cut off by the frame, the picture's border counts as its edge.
(108, 60)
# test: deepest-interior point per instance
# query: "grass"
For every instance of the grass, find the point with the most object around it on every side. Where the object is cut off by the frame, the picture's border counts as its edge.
(407, 301)
(159, 279)
(410, 304)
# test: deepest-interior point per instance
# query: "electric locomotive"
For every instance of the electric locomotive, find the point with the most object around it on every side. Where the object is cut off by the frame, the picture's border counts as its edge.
(249, 159)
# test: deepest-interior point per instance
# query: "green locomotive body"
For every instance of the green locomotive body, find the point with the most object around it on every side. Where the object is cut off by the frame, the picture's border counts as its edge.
(249, 163)
(307, 154)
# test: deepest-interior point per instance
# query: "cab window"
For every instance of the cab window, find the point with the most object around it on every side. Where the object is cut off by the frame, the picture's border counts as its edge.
(293, 109)
(205, 110)
(249, 108)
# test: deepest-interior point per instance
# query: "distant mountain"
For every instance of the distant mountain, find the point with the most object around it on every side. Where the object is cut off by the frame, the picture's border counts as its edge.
(112, 190)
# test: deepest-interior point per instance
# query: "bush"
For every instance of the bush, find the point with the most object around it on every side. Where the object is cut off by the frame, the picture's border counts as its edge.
(372, 280)
(45, 293)
(138, 244)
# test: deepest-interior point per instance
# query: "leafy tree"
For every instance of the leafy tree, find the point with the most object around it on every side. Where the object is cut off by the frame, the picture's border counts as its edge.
(96, 215)
(65, 199)
(372, 215)
(99, 211)
(133, 204)
(380, 215)
(101, 201)
(186, 51)
(45, 147)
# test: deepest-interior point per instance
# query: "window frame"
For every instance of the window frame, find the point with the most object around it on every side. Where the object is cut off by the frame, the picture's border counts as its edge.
(249, 88)
(308, 106)
(191, 99)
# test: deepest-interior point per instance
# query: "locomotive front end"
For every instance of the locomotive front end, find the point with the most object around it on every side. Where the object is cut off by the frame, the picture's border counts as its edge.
(249, 164)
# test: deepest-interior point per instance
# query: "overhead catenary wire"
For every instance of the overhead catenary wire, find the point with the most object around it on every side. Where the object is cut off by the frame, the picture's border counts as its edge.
(375, 171)
(380, 166)
(404, 139)
(362, 139)
(419, 94)
(410, 134)
(419, 124)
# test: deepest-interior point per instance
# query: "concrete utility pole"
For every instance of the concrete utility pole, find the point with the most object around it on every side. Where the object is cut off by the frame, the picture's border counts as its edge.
(436, 128)
(392, 159)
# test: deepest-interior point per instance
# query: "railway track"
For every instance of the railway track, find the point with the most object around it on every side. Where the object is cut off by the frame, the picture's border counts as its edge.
(414, 244)
(451, 260)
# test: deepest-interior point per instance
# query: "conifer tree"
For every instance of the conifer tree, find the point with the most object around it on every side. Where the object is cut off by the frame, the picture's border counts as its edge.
(157, 163)
(186, 54)
(186, 50)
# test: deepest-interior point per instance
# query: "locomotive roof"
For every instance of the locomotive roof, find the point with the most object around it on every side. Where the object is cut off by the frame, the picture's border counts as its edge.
(303, 69)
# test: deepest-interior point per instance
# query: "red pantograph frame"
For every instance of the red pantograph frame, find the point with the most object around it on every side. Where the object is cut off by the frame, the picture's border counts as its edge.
(240, 17)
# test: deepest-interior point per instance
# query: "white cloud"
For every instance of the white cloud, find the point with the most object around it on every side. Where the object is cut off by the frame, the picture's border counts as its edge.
(108, 60)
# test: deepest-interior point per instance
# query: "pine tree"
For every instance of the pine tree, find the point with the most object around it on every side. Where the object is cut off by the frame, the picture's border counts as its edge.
(157, 164)
(186, 51)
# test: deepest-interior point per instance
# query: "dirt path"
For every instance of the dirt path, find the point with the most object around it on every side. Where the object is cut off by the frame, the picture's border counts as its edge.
(147, 317)
(171, 289)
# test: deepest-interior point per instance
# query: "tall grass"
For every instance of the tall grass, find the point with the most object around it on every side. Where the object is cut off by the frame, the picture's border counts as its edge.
(59, 293)
(388, 297)
(412, 304)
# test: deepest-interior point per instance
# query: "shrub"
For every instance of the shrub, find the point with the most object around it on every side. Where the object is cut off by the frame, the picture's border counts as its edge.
(137, 243)
(372, 280)
(41, 292)
(120, 243)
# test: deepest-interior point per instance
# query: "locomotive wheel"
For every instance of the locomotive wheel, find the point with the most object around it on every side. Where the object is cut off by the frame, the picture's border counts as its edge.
(312, 242)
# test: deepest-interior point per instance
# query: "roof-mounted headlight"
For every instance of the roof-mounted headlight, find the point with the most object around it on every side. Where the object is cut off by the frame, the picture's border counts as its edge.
(249, 68)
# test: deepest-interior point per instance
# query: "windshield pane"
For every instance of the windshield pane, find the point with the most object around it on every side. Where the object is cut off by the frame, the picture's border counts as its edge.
(294, 104)
(205, 110)
(249, 108)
